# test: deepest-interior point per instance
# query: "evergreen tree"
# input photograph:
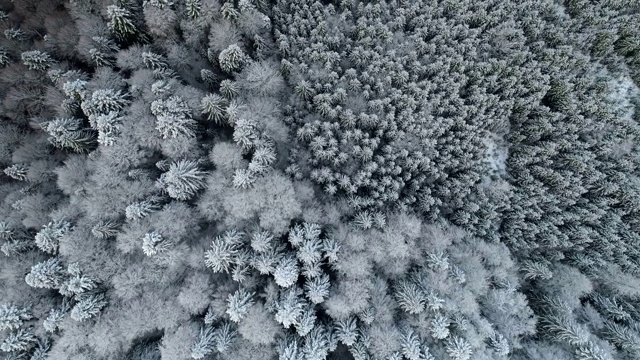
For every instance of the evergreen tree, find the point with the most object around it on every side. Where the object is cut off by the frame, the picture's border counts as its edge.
(238, 304)
(183, 179)
(48, 274)
(37, 60)
(12, 317)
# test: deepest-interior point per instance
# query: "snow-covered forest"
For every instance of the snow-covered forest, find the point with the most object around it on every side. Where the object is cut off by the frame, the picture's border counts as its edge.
(309, 180)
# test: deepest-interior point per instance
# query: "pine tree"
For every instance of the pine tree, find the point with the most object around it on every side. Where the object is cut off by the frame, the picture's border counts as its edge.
(232, 58)
(591, 351)
(410, 298)
(214, 107)
(183, 179)
(309, 251)
(261, 241)
(49, 236)
(288, 349)
(153, 243)
(205, 344)
(108, 126)
(564, 330)
(229, 90)
(76, 90)
(43, 347)
(37, 60)
(224, 337)
(104, 101)
(238, 304)
(173, 117)
(17, 246)
(20, 341)
(286, 273)
(289, 307)
(317, 288)
(77, 282)
(243, 178)
(622, 337)
(69, 133)
(48, 274)
(458, 348)
(245, 134)
(53, 321)
(265, 262)
(17, 172)
(331, 249)
(105, 229)
(4, 57)
(120, 22)
(193, 8)
(307, 321)
(140, 209)
(347, 331)
(411, 345)
(228, 11)
(224, 249)
(440, 326)
(316, 346)
(499, 344)
(536, 270)
(154, 61)
(88, 306)
(12, 317)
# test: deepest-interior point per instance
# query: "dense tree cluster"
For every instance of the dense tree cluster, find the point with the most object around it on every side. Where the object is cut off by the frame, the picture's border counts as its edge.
(308, 180)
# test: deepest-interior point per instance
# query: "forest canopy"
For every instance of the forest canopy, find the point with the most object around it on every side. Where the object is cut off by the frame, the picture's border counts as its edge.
(310, 180)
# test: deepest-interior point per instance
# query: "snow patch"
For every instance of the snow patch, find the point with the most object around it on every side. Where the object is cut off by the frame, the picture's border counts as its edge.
(623, 90)
(496, 155)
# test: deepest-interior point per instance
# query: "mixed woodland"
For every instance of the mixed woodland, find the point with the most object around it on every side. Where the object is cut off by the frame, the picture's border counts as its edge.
(315, 179)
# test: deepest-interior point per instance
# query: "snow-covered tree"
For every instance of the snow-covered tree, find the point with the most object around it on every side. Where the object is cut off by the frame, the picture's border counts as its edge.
(17, 172)
(317, 288)
(49, 236)
(12, 317)
(214, 107)
(153, 243)
(48, 274)
(238, 304)
(173, 117)
(223, 251)
(37, 60)
(232, 58)
(289, 307)
(287, 272)
(121, 22)
(88, 306)
(183, 179)
(205, 344)
(21, 340)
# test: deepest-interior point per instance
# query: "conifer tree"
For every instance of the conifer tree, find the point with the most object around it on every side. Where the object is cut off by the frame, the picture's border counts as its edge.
(183, 179)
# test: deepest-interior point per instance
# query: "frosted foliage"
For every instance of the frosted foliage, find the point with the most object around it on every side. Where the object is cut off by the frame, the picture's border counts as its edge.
(88, 306)
(37, 60)
(17, 172)
(173, 117)
(12, 317)
(458, 349)
(238, 304)
(120, 21)
(232, 58)
(183, 179)
(286, 273)
(153, 243)
(49, 236)
(48, 274)
(440, 327)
